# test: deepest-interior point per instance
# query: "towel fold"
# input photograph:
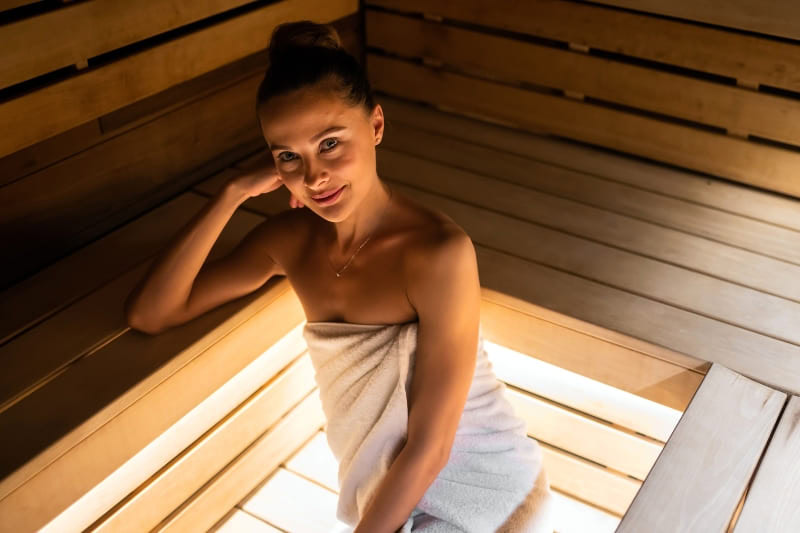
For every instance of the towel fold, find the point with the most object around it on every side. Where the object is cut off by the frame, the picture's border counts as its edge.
(494, 479)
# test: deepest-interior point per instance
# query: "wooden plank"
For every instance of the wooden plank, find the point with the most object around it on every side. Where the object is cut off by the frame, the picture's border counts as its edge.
(108, 407)
(730, 420)
(574, 432)
(702, 48)
(46, 42)
(28, 160)
(702, 190)
(573, 516)
(236, 481)
(32, 359)
(40, 296)
(588, 481)
(585, 395)
(761, 165)
(748, 309)
(771, 503)
(772, 18)
(576, 350)
(768, 360)
(265, 399)
(678, 95)
(84, 196)
(653, 225)
(73, 101)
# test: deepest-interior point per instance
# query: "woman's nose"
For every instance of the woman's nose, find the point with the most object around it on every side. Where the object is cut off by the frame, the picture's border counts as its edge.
(315, 176)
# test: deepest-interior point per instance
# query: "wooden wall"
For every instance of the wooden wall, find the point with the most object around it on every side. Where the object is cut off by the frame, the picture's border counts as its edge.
(679, 82)
(109, 108)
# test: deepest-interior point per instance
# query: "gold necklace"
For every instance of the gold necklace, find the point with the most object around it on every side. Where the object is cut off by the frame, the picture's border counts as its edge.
(339, 272)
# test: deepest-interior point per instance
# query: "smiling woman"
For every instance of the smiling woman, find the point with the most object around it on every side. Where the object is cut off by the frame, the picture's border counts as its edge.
(425, 437)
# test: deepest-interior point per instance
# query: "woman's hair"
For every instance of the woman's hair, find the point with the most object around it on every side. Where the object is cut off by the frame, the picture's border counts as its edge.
(305, 53)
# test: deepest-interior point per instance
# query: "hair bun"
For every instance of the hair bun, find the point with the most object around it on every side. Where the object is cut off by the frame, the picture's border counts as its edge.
(302, 33)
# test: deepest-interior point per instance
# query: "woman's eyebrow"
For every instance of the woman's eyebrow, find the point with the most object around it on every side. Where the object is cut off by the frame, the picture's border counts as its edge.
(315, 137)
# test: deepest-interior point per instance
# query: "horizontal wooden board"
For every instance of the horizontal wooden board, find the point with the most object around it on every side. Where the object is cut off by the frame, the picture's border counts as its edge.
(767, 360)
(771, 18)
(654, 225)
(44, 294)
(695, 188)
(73, 101)
(137, 386)
(84, 196)
(715, 104)
(32, 359)
(77, 32)
(583, 436)
(692, 46)
(581, 352)
(761, 165)
(730, 420)
(662, 282)
(576, 391)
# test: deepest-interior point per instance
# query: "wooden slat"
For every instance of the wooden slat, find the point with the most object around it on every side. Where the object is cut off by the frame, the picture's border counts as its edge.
(770, 361)
(86, 195)
(106, 408)
(236, 481)
(707, 463)
(706, 102)
(698, 189)
(55, 39)
(580, 351)
(692, 46)
(260, 403)
(708, 262)
(761, 165)
(582, 394)
(576, 433)
(589, 482)
(71, 102)
(33, 358)
(727, 245)
(28, 160)
(25, 304)
(771, 503)
(658, 281)
(773, 18)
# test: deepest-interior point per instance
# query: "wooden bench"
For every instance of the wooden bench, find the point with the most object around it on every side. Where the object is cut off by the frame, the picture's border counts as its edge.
(109, 428)
(734, 427)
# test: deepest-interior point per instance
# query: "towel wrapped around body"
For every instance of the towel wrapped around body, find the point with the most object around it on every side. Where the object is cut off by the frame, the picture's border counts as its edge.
(494, 479)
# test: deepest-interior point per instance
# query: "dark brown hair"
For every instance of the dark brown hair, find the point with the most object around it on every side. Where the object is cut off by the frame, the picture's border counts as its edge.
(306, 53)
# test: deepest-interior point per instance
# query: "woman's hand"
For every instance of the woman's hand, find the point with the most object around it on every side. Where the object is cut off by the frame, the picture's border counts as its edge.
(258, 179)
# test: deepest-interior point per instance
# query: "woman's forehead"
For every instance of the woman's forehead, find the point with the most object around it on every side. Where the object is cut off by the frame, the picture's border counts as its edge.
(296, 121)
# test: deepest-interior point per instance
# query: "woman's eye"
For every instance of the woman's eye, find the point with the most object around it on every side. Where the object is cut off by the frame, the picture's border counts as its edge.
(280, 156)
(330, 146)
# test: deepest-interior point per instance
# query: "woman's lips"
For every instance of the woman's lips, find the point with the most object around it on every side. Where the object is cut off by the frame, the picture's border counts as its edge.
(330, 199)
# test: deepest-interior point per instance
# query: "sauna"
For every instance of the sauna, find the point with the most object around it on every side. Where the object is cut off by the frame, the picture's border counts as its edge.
(628, 172)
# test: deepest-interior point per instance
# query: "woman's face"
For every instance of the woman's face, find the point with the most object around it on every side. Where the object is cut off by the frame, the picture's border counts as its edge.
(321, 145)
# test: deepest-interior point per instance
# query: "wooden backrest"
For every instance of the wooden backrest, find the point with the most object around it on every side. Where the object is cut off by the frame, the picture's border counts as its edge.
(110, 109)
(711, 99)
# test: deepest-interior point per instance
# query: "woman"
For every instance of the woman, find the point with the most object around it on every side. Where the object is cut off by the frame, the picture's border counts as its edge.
(369, 266)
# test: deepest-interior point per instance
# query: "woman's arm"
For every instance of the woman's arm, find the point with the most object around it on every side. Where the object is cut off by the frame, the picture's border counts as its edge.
(444, 288)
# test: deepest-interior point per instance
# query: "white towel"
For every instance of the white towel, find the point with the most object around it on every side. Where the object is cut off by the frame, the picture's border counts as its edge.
(494, 479)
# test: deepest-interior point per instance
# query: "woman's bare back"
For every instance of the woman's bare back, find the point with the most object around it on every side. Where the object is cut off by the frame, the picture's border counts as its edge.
(372, 289)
